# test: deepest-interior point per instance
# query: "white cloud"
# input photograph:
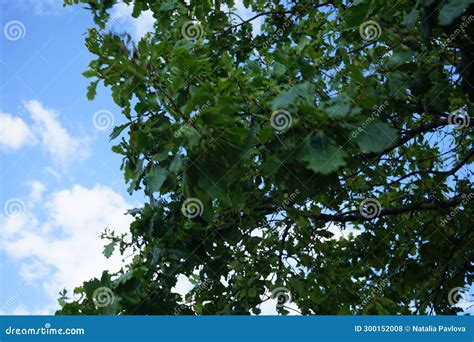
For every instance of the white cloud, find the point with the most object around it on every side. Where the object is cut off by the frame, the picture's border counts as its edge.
(14, 133)
(64, 249)
(54, 137)
(121, 19)
(37, 189)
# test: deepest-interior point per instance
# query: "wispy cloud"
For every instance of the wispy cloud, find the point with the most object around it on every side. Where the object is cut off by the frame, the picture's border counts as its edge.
(54, 137)
(46, 129)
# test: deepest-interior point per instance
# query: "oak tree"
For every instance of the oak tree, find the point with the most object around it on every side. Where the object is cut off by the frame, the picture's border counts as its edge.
(314, 152)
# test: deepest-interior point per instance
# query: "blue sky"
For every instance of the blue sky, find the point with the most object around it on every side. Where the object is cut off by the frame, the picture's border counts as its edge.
(60, 183)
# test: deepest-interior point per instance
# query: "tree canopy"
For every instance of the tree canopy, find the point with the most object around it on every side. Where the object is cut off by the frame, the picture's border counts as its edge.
(317, 153)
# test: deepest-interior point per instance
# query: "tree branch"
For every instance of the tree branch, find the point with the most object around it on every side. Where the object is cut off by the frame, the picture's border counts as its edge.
(417, 206)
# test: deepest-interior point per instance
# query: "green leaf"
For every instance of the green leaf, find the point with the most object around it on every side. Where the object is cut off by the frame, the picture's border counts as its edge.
(92, 90)
(117, 130)
(411, 17)
(279, 69)
(355, 15)
(191, 135)
(289, 97)
(176, 164)
(339, 107)
(452, 10)
(168, 6)
(376, 137)
(109, 249)
(124, 278)
(322, 154)
(155, 177)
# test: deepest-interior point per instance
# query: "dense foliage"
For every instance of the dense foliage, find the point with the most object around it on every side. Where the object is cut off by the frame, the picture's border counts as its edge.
(257, 143)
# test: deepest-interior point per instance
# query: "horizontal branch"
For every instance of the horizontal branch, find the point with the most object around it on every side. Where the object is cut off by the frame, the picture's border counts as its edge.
(417, 206)
(258, 16)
